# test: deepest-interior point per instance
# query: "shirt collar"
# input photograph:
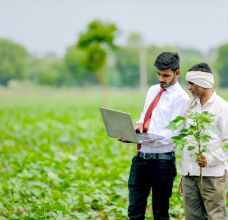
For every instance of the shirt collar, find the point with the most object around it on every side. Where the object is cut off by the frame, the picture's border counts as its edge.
(210, 100)
(173, 87)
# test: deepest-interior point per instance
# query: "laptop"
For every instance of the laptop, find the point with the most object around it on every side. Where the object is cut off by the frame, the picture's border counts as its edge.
(118, 124)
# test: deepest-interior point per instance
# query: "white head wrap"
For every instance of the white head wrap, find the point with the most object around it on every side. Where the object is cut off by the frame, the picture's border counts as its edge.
(202, 79)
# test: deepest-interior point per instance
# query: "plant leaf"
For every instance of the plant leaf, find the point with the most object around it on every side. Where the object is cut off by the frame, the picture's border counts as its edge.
(190, 148)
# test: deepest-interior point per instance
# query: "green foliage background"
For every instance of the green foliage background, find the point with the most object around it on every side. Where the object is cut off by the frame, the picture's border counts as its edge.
(57, 161)
(99, 64)
(13, 61)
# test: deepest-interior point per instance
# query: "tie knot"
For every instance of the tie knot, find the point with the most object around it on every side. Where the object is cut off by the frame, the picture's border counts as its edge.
(162, 89)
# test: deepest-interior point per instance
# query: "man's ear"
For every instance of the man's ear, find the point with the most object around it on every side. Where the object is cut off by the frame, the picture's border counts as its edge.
(177, 72)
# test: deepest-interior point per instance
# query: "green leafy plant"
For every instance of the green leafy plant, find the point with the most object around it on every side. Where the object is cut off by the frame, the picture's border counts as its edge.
(57, 161)
(194, 135)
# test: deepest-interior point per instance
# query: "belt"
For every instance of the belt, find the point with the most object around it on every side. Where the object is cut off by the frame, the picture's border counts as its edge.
(162, 156)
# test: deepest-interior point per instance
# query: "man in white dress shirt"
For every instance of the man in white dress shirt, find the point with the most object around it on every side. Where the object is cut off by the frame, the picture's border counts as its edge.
(208, 202)
(153, 167)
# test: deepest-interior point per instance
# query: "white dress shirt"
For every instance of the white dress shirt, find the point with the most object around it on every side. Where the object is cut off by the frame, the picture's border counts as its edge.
(170, 105)
(215, 154)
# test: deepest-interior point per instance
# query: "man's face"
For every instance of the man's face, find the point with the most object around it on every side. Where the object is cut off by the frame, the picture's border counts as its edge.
(195, 89)
(167, 77)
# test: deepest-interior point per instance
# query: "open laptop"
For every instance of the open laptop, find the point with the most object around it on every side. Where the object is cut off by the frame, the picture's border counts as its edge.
(119, 125)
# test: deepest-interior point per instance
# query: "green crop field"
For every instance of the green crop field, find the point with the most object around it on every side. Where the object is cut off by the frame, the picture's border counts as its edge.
(56, 161)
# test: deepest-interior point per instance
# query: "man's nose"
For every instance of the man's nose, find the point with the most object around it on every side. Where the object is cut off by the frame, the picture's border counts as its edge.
(189, 86)
(160, 78)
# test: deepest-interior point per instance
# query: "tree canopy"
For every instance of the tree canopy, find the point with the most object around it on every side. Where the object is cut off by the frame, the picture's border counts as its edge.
(13, 61)
(222, 64)
(97, 40)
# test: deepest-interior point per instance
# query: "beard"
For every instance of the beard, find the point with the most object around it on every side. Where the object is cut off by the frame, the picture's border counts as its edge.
(166, 85)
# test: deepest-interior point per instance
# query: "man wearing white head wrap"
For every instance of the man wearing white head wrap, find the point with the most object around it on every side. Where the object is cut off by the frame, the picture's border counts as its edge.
(209, 204)
(200, 78)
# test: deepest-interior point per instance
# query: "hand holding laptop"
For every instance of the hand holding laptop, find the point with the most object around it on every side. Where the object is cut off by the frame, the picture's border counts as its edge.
(119, 125)
(138, 128)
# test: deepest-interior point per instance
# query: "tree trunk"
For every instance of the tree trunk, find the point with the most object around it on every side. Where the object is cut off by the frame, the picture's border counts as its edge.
(103, 83)
(102, 76)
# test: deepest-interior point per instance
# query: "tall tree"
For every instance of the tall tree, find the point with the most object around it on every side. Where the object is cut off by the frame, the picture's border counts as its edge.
(127, 66)
(222, 64)
(97, 40)
(13, 61)
(47, 70)
(76, 61)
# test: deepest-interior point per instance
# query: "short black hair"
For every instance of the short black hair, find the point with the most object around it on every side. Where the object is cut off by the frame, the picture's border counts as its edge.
(167, 60)
(204, 67)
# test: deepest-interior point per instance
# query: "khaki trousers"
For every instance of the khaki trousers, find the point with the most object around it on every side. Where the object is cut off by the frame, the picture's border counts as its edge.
(208, 203)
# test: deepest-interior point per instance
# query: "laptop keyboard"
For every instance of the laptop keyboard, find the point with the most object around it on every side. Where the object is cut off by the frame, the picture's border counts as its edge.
(145, 137)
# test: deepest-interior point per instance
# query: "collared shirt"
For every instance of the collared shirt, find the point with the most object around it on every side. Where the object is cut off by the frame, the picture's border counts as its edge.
(170, 105)
(215, 154)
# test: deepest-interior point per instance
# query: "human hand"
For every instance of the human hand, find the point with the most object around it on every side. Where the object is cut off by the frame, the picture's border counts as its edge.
(139, 127)
(202, 160)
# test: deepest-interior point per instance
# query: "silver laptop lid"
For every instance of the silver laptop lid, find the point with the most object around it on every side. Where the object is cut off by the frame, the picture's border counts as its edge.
(118, 124)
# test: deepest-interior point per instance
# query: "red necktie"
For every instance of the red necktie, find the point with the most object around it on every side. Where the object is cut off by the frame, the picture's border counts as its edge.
(149, 112)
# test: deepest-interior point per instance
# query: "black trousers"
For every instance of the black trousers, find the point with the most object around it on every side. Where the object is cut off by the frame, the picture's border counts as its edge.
(147, 174)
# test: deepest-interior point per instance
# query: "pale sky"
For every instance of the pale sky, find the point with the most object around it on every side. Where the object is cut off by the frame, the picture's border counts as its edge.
(46, 26)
